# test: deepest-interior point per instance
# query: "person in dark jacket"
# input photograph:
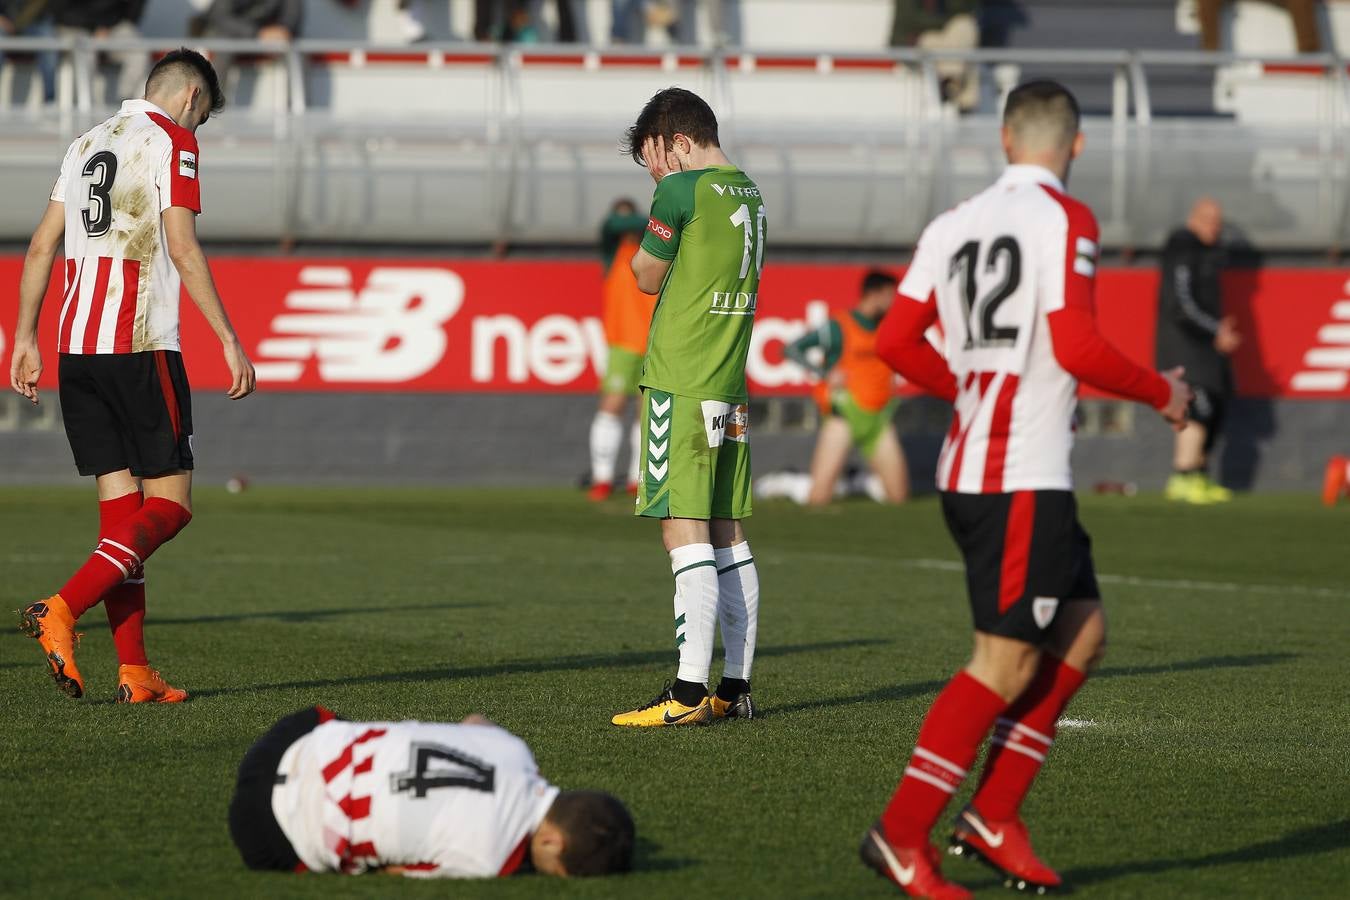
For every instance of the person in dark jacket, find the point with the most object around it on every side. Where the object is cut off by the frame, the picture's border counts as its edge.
(116, 19)
(271, 21)
(31, 18)
(1194, 333)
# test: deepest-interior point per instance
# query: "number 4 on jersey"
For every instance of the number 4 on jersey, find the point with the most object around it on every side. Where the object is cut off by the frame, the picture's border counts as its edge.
(432, 766)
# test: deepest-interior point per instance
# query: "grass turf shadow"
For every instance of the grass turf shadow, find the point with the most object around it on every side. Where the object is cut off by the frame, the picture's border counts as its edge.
(308, 615)
(1300, 842)
(574, 663)
(914, 689)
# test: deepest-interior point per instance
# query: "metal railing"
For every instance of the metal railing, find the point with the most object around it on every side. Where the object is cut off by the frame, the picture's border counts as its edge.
(904, 154)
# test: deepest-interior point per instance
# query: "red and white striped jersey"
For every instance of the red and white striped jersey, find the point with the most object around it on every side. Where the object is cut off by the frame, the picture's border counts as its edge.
(443, 801)
(997, 265)
(121, 293)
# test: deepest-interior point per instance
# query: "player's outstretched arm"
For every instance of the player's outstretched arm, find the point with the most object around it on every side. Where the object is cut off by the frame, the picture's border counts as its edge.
(1082, 351)
(902, 345)
(180, 233)
(25, 366)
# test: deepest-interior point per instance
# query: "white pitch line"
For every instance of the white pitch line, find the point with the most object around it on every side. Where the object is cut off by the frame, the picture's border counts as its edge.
(1180, 584)
(1076, 723)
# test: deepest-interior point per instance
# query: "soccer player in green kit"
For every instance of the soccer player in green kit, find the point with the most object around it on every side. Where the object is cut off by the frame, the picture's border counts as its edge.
(703, 252)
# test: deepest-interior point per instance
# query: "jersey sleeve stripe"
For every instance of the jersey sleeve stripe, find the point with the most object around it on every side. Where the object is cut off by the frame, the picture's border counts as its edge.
(89, 341)
(1012, 579)
(1000, 428)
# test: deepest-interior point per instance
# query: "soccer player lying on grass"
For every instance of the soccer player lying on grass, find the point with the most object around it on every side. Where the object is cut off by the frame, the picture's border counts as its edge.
(125, 206)
(1010, 273)
(424, 799)
(702, 253)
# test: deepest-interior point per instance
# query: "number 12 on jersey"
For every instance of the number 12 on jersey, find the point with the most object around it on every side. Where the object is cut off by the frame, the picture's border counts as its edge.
(754, 237)
(981, 331)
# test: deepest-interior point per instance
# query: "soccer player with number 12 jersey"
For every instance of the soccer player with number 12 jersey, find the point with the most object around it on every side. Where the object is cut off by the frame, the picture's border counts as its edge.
(1010, 275)
(703, 252)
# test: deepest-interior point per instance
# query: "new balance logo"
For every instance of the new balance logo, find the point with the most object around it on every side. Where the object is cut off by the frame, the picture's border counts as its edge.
(390, 331)
(1328, 364)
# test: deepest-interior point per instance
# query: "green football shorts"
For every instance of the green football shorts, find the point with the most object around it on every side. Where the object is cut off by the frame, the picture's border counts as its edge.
(622, 372)
(865, 426)
(696, 458)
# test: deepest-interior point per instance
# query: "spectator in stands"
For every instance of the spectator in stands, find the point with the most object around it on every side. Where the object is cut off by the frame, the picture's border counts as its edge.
(522, 21)
(1193, 332)
(273, 21)
(31, 18)
(942, 25)
(630, 18)
(1302, 12)
(109, 19)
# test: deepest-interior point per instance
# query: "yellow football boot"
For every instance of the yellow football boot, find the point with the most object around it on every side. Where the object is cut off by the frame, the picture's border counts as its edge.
(740, 707)
(665, 710)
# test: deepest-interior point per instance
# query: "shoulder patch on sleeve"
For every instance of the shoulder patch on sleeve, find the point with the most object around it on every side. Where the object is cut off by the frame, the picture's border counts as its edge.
(187, 164)
(1085, 257)
(660, 229)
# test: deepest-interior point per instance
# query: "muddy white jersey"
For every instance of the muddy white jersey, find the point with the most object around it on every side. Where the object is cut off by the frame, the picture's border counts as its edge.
(997, 265)
(121, 288)
(447, 801)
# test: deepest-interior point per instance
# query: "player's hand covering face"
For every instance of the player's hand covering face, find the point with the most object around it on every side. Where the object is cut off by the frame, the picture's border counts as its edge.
(658, 159)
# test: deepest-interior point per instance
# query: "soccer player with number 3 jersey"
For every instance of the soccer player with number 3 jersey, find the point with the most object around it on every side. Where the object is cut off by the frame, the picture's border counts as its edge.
(702, 253)
(125, 205)
(1010, 275)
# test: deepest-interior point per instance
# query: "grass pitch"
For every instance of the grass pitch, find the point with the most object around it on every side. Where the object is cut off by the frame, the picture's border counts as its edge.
(1209, 758)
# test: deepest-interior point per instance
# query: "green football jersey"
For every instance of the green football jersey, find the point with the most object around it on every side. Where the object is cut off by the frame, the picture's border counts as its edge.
(710, 222)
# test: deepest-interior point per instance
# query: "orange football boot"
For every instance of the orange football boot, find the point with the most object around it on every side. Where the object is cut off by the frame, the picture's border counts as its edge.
(142, 684)
(1333, 483)
(51, 624)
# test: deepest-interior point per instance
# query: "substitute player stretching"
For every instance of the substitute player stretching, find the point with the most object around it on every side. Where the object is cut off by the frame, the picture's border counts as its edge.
(126, 204)
(1010, 274)
(703, 252)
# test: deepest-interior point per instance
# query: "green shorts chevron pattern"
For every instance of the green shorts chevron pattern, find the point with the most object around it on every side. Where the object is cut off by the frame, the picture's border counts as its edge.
(696, 458)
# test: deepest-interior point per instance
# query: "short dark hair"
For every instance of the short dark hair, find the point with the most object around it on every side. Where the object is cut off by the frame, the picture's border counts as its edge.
(597, 830)
(876, 279)
(187, 63)
(670, 112)
(1040, 104)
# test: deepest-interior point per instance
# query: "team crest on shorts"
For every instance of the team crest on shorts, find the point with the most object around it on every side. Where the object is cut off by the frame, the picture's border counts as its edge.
(1043, 610)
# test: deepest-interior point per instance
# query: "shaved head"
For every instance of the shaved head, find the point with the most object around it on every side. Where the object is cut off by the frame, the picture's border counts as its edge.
(1206, 220)
(1041, 116)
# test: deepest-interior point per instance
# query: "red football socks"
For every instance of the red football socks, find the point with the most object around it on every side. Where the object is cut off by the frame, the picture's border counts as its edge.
(1022, 738)
(951, 735)
(122, 552)
(125, 603)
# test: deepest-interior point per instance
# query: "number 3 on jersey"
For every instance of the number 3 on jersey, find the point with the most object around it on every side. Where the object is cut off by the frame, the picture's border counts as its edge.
(1005, 254)
(101, 169)
(754, 237)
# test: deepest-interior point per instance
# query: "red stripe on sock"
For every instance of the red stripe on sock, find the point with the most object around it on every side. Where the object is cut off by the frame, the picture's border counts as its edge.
(1008, 775)
(1012, 579)
(954, 728)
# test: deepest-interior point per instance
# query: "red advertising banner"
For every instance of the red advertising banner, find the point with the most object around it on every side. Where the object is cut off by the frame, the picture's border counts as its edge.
(421, 325)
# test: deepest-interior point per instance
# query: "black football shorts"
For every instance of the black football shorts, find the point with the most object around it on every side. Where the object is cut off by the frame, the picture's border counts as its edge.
(127, 411)
(253, 827)
(1025, 553)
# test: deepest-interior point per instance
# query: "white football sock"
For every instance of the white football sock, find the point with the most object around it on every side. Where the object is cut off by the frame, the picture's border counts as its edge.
(606, 438)
(635, 462)
(695, 569)
(738, 608)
